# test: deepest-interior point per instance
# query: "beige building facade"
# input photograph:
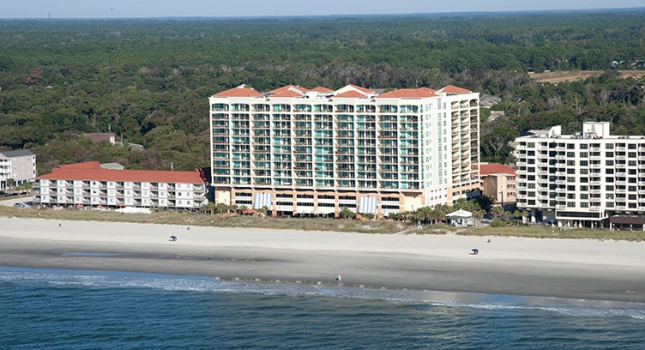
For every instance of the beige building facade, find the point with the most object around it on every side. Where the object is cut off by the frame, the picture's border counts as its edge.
(17, 167)
(300, 151)
(499, 182)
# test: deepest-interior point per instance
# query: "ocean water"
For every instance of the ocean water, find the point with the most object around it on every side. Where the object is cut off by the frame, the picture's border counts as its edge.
(63, 309)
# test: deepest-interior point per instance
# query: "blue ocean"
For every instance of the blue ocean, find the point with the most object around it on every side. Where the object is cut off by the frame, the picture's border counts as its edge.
(73, 310)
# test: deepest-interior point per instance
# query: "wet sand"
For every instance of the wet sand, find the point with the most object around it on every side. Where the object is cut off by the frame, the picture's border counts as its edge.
(575, 269)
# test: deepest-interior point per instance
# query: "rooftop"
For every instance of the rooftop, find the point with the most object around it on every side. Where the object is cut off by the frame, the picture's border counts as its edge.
(92, 171)
(17, 153)
(348, 91)
(495, 168)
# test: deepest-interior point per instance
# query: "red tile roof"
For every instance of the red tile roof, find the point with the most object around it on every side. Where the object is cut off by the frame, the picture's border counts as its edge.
(495, 168)
(322, 89)
(350, 94)
(454, 90)
(286, 93)
(92, 171)
(408, 93)
(238, 92)
(84, 165)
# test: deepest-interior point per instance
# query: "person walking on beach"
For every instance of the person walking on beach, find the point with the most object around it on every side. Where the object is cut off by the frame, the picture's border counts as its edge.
(339, 278)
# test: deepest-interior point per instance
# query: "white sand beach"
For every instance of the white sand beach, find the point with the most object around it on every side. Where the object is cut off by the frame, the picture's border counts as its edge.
(579, 269)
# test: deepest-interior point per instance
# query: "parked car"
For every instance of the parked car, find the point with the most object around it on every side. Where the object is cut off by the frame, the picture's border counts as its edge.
(20, 205)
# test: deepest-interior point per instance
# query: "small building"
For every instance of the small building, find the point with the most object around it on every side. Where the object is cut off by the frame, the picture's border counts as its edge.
(17, 167)
(488, 101)
(460, 218)
(97, 137)
(499, 182)
(89, 185)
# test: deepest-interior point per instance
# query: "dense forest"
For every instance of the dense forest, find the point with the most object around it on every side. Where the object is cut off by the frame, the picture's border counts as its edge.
(148, 80)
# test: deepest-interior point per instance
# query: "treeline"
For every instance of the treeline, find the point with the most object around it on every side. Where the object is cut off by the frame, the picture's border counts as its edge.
(148, 80)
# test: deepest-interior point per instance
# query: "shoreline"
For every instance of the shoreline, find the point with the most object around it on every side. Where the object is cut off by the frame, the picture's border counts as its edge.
(571, 269)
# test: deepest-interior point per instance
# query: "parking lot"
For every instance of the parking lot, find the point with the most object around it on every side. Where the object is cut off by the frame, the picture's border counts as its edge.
(26, 201)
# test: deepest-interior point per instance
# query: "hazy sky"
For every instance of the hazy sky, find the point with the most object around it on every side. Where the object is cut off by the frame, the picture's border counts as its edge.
(219, 8)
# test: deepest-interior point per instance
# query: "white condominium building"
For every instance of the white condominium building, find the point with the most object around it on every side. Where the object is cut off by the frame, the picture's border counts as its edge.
(590, 179)
(87, 184)
(16, 167)
(300, 151)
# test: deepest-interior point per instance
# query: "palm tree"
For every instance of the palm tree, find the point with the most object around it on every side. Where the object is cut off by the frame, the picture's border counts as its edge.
(497, 211)
(347, 213)
(437, 216)
(423, 214)
(478, 215)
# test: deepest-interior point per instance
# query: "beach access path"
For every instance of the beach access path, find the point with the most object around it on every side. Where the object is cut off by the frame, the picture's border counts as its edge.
(579, 269)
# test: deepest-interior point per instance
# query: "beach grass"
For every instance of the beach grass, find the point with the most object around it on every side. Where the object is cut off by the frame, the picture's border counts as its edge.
(547, 232)
(437, 229)
(198, 219)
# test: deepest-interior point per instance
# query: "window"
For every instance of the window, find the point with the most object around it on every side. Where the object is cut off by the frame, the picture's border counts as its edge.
(571, 154)
(571, 179)
(571, 171)
(571, 146)
(571, 163)
(584, 196)
(609, 146)
(584, 146)
(609, 162)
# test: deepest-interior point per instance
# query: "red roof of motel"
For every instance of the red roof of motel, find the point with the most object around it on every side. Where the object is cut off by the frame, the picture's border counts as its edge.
(84, 165)
(286, 93)
(92, 171)
(350, 94)
(408, 93)
(454, 90)
(238, 92)
(322, 89)
(495, 168)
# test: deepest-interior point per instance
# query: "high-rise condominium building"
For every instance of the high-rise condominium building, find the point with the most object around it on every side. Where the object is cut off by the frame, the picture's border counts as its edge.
(590, 179)
(299, 151)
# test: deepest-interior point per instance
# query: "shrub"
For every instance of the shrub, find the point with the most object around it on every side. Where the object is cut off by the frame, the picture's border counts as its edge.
(497, 223)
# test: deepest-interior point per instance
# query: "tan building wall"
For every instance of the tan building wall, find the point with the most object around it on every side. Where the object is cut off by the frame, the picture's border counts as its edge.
(308, 202)
(502, 187)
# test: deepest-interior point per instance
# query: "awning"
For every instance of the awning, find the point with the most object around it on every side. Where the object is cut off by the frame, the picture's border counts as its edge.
(367, 205)
(459, 214)
(627, 220)
(262, 200)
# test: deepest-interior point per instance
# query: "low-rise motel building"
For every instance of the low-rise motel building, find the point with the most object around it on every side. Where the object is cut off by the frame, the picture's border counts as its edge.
(16, 167)
(298, 151)
(499, 182)
(89, 185)
(589, 179)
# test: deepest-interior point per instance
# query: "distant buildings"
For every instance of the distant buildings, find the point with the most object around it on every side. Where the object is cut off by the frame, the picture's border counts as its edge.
(591, 179)
(301, 151)
(102, 136)
(16, 167)
(88, 184)
(499, 182)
